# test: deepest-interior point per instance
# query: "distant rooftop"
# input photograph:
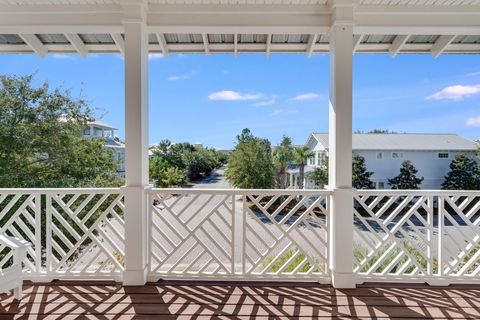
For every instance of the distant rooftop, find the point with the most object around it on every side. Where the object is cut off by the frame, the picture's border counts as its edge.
(404, 141)
(100, 124)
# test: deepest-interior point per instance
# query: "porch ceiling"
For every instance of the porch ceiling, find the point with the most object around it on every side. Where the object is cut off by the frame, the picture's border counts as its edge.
(233, 26)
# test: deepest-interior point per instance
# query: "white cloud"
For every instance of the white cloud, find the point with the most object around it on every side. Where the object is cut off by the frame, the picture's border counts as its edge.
(306, 96)
(264, 103)
(63, 56)
(153, 56)
(182, 77)
(455, 93)
(473, 74)
(282, 112)
(229, 95)
(473, 122)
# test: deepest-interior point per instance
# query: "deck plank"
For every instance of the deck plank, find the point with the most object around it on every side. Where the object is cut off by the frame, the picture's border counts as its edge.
(239, 300)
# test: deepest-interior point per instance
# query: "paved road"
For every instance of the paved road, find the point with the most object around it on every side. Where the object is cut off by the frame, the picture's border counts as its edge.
(216, 180)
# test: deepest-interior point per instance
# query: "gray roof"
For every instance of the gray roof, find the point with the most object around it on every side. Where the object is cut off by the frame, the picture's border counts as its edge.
(100, 124)
(405, 141)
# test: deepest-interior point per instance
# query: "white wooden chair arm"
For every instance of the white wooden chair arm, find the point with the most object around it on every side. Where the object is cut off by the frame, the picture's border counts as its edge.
(13, 243)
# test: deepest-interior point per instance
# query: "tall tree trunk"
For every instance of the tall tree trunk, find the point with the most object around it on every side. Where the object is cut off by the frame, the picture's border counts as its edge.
(301, 175)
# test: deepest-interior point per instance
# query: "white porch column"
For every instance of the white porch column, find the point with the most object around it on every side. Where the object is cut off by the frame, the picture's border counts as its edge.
(340, 147)
(136, 143)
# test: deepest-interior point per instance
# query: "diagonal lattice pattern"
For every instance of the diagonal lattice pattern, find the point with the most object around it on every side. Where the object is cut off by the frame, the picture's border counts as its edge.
(286, 235)
(73, 232)
(232, 234)
(20, 216)
(393, 234)
(85, 233)
(460, 230)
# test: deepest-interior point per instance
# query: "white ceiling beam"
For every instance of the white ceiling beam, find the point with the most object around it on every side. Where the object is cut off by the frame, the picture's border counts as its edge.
(206, 44)
(397, 44)
(77, 43)
(268, 45)
(162, 43)
(357, 39)
(119, 41)
(35, 44)
(235, 45)
(441, 44)
(422, 48)
(312, 39)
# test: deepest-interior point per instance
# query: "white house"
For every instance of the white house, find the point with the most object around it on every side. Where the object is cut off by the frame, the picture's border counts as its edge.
(431, 154)
(98, 129)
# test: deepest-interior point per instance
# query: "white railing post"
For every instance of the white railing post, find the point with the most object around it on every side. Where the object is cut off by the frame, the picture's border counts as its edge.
(136, 143)
(340, 146)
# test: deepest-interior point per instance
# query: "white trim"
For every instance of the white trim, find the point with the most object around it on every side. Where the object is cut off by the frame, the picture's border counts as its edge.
(35, 44)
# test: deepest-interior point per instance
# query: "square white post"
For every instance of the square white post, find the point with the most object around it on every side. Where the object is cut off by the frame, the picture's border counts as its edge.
(136, 145)
(340, 151)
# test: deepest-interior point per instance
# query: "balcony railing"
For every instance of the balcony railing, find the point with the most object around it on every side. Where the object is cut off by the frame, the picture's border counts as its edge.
(402, 235)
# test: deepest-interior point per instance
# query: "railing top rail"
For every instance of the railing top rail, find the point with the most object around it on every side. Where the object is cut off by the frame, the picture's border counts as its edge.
(58, 190)
(240, 191)
(419, 192)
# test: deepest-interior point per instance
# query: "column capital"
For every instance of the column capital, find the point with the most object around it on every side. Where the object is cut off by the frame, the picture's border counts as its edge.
(342, 12)
(134, 11)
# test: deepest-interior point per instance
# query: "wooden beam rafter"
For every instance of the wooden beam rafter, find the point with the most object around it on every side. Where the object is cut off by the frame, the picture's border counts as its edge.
(77, 44)
(162, 43)
(397, 44)
(119, 41)
(441, 44)
(35, 44)
(268, 45)
(206, 44)
(312, 39)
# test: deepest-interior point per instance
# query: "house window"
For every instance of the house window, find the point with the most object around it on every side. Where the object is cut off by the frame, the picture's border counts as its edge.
(397, 155)
(86, 132)
(379, 155)
(381, 185)
(311, 161)
(443, 155)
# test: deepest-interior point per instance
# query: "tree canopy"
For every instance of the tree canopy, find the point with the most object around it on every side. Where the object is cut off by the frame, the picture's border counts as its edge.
(464, 174)
(42, 142)
(360, 174)
(173, 164)
(250, 165)
(407, 179)
(282, 156)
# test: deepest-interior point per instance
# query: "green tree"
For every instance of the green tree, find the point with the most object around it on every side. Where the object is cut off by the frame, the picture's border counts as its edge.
(407, 179)
(301, 155)
(282, 156)
(42, 142)
(250, 164)
(190, 161)
(464, 174)
(360, 174)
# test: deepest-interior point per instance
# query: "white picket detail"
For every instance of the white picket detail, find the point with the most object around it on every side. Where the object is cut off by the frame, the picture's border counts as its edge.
(75, 233)
(238, 234)
(417, 236)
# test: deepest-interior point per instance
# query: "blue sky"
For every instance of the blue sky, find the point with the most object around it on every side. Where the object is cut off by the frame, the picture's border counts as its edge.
(198, 99)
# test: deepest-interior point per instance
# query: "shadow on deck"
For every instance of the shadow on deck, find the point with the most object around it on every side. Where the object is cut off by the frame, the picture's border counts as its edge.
(239, 300)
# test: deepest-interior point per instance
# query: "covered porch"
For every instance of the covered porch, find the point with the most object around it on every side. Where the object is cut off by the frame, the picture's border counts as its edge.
(340, 237)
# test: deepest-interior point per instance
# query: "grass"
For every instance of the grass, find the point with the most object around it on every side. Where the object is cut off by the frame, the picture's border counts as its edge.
(278, 265)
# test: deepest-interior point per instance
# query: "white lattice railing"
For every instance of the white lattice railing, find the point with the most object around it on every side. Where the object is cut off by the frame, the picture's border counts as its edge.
(399, 235)
(75, 233)
(431, 236)
(249, 234)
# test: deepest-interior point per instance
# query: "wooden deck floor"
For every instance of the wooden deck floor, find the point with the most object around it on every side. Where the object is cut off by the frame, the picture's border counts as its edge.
(205, 300)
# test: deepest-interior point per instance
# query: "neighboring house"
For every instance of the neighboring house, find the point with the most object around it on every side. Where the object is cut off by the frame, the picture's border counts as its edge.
(98, 129)
(431, 154)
